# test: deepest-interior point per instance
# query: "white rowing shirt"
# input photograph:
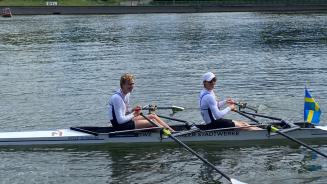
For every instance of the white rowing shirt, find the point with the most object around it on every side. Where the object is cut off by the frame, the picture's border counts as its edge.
(120, 103)
(210, 108)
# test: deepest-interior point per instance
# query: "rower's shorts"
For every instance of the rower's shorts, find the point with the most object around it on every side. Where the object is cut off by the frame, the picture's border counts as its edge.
(219, 123)
(129, 125)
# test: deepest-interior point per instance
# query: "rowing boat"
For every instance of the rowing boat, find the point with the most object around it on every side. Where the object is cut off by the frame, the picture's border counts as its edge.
(6, 12)
(107, 135)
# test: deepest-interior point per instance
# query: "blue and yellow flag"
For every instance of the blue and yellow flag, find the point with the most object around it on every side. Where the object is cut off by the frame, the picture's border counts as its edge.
(311, 109)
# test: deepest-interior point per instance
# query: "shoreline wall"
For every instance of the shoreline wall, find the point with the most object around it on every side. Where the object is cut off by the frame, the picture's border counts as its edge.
(70, 10)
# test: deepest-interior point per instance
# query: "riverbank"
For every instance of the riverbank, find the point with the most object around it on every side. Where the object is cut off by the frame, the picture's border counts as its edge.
(68, 10)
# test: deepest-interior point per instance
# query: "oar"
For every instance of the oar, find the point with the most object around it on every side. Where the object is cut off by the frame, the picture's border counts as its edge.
(174, 119)
(243, 105)
(274, 129)
(263, 116)
(178, 120)
(173, 108)
(154, 107)
(167, 133)
(291, 125)
(249, 117)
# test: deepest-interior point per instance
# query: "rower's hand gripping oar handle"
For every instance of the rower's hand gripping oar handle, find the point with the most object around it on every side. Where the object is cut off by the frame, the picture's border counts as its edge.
(137, 110)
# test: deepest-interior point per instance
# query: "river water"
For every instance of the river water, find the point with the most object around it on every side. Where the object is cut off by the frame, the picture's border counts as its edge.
(59, 71)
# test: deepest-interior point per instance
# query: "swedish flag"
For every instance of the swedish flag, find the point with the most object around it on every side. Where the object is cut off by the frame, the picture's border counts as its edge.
(311, 109)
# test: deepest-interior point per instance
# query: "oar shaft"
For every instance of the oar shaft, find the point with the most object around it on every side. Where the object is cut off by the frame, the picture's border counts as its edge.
(244, 105)
(153, 123)
(251, 108)
(199, 157)
(247, 116)
(190, 150)
(301, 143)
(263, 116)
(174, 119)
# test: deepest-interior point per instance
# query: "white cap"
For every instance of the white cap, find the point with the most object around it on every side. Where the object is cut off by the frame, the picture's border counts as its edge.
(208, 76)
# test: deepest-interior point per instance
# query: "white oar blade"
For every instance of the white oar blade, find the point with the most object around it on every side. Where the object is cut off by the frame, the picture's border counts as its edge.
(235, 181)
(177, 108)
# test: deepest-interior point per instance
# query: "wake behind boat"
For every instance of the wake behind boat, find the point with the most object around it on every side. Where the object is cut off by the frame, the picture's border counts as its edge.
(108, 136)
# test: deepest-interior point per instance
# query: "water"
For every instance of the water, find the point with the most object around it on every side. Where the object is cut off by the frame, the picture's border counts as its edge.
(59, 71)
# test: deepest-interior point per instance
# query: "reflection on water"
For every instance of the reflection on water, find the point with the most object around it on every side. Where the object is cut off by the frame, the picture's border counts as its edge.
(58, 71)
(157, 164)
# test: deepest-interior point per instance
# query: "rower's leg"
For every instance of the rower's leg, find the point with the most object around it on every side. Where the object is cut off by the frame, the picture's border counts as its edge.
(142, 123)
(160, 121)
(245, 125)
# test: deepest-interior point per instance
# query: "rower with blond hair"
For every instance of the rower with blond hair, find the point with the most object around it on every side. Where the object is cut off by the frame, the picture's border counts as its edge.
(122, 116)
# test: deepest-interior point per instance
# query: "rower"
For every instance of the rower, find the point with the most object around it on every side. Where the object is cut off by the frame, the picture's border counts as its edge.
(121, 116)
(210, 107)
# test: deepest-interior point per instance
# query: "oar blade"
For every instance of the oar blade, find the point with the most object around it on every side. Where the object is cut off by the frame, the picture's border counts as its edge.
(177, 108)
(235, 181)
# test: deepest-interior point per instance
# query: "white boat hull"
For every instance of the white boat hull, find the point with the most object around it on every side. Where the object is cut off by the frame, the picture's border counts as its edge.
(316, 135)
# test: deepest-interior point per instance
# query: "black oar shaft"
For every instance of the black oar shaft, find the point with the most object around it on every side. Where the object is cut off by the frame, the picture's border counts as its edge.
(199, 157)
(263, 116)
(153, 123)
(247, 116)
(174, 119)
(301, 143)
(244, 105)
(191, 150)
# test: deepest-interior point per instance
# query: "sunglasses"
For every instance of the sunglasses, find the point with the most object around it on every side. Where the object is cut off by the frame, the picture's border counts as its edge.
(213, 80)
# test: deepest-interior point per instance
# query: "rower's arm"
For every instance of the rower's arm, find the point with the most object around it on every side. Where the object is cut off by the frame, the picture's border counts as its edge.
(214, 108)
(120, 110)
(221, 103)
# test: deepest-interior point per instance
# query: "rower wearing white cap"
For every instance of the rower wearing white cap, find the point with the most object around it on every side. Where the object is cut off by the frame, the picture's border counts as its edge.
(211, 109)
